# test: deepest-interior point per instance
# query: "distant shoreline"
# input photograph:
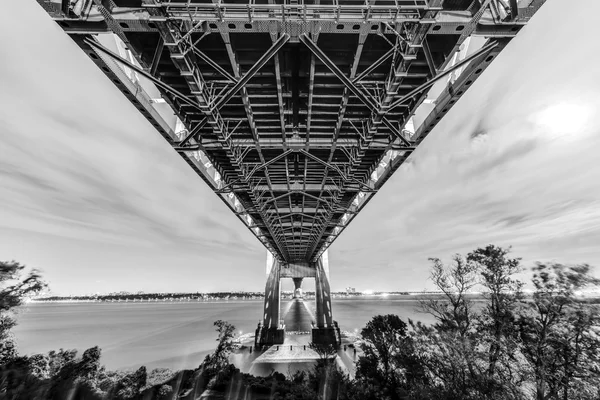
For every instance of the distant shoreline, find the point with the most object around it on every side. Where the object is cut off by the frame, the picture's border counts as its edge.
(253, 296)
(211, 297)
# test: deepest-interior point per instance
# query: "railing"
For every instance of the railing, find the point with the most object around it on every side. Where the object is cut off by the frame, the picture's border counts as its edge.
(301, 347)
(359, 11)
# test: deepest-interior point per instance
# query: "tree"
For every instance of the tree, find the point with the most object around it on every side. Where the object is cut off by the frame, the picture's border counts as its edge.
(455, 311)
(131, 384)
(15, 287)
(450, 363)
(497, 321)
(89, 366)
(78, 376)
(462, 351)
(325, 377)
(164, 392)
(450, 348)
(389, 361)
(560, 334)
(326, 352)
(57, 360)
(39, 365)
(220, 357)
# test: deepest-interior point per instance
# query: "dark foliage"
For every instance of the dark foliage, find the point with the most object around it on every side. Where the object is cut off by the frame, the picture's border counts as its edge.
(542, 347)
(15, 288)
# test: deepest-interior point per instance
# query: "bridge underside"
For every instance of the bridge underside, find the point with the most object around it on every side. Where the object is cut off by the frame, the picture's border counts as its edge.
(294, 112)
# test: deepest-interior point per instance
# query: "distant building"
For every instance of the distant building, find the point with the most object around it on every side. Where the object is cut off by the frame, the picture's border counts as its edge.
(350, 290)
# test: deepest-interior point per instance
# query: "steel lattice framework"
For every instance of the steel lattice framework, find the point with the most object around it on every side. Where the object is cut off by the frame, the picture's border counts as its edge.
(295, 112)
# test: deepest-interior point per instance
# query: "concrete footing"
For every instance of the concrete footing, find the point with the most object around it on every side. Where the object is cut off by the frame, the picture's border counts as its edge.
(325, 336)
(268, 336)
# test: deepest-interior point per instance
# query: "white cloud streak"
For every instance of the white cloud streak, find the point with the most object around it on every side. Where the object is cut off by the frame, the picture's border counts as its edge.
(86, 180)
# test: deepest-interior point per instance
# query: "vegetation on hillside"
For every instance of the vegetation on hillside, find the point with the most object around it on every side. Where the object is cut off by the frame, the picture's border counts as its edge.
(543, 347)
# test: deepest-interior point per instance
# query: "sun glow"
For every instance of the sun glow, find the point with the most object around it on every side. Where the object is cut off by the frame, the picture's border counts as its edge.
(563, 120)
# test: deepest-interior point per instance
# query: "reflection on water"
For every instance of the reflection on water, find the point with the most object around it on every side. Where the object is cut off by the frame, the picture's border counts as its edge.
(174, 335)
(298, 315)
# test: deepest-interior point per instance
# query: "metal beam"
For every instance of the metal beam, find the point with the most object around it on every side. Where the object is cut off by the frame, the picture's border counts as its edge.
(325, 164)
(339, 74)
(374, 65)
(283, 39)
(266, 164)
(429, 58)
(349, 84)
(162, 85)
(484, 50)
(411, 47)
(279, 92)
(257, 12)
(214, 65)
(248, 107)
(193, 132)
(157, 54)
(197, 85)
(514, 9)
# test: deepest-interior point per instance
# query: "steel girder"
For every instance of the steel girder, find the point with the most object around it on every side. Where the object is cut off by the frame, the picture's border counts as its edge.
(210, 107)
(248, 80)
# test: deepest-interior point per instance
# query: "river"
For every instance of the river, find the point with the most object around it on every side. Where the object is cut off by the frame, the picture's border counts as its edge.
(173, 335)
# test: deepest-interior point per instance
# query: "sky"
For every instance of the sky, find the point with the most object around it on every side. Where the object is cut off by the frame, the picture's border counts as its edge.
(92, 196)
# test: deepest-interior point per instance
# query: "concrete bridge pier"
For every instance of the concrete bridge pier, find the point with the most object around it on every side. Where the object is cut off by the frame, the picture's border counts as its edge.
(297, 288)
(271, 330)
(326, 330)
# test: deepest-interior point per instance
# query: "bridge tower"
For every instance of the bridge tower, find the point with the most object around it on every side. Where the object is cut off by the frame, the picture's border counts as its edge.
(271, 330)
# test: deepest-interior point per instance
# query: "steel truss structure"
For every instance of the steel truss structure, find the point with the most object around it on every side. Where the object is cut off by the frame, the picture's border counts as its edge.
(295, 112)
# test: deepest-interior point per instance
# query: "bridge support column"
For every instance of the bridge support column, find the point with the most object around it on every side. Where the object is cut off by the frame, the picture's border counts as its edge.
(326, 330)
(297, 288)
(271, 330)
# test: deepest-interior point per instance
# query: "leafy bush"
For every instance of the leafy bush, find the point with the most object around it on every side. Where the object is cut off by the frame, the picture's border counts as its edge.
(542, 347)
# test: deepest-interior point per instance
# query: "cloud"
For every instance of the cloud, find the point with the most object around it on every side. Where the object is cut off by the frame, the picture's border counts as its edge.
(81, 169)
(92, 194)
(493, 171)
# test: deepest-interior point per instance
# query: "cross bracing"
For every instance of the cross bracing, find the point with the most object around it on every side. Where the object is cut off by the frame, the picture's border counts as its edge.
(294, 112)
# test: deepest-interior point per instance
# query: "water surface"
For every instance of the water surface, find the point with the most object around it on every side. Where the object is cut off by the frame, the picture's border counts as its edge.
(167, 334)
